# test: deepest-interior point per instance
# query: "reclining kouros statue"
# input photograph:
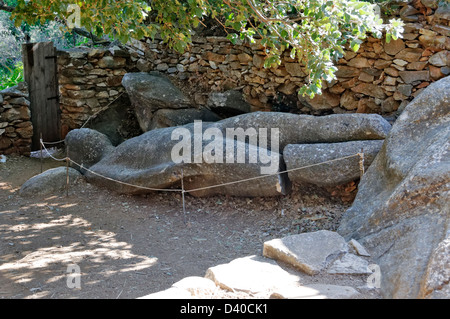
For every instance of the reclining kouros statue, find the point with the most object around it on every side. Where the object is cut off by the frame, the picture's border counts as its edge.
(254, 147)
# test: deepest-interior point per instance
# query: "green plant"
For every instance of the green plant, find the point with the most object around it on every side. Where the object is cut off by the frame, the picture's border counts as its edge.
(10, 76)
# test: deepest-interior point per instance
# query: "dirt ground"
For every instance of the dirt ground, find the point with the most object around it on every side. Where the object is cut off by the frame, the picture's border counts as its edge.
(128, 247)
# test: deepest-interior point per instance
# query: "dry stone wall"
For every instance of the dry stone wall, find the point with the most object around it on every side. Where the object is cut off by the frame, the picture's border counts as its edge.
(380, 78)
(90, 80)
(16, 128)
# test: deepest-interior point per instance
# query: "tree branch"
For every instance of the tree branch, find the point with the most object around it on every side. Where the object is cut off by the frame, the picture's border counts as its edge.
(87, 34)
(6, 8)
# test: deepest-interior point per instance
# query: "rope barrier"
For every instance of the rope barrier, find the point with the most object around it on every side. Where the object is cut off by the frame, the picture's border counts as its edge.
(125, 183)
(54, 143)
(267, 175)
(361, 155)
(50, 155)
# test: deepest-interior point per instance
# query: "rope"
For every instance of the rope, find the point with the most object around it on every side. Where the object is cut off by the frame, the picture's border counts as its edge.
(278, 173)
(53, 143)
(206, 187)
(51, 156)
(125, 183)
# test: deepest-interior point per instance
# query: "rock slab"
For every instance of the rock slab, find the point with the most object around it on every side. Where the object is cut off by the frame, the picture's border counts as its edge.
(336, 172)
(253, 274)
(50, 182)
(308, 252)
(149, 92)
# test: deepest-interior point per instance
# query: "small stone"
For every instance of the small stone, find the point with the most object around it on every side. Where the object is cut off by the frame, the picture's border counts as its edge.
(417, 66)
(436, 73)
(287, 89)
(10, 115)
(394, 46)
(433, 4)
(350, 264)
(258, 61)
(172, 70)
(213, 65)
(405, 89)
(294, 69)
(400, 62)
(348, 101)
(442, 29)
(162, 67)
(25, 132)
(349, 55)
(244, 58)
(390, 80)
(370, 90)
(102, 95)
(359, 63)
(412, 76)
(389, 105)
(359, 249)
(112, 62)
(391, 72)
(143, 65)
(435, 41)
(409, 54)
(440, 59)
(366, 77)
(19, 101)
(408, 11)
(210, 56)
(443, 12)
(85, 94)
(382, 64)
(181, 68)
(347, 72)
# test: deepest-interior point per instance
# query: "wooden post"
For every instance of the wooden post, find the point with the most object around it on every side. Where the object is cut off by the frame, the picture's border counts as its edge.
(182, 196)
(67, 171)
(40, 146)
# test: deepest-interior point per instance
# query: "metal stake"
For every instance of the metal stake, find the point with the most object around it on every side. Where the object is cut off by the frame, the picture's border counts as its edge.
(182, 195)
(40, 144)
(67, 171)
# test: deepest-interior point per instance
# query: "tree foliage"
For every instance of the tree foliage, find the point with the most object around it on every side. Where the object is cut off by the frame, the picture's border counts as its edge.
(314, 31)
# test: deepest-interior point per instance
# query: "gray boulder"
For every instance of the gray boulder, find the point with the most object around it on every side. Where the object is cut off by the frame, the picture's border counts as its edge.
(305, 129)
(50, 182)
(168, 117)
(150, 92)
(401, 212)
(87, 147)
(229, 103)
(147, 161)
(334, 173)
